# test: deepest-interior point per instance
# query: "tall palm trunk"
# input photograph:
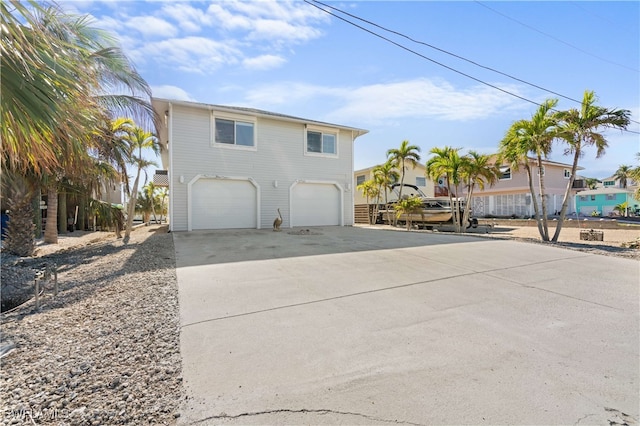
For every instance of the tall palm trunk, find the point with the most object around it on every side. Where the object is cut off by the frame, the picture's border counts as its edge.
(467, 204)
(543, 200)
(567, 194)
(62, 213)
(534, 201)
(37, 215)
(131, 207)
(51, 227)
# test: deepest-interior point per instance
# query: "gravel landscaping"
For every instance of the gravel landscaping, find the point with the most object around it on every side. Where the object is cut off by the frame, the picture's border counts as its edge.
(106, 349)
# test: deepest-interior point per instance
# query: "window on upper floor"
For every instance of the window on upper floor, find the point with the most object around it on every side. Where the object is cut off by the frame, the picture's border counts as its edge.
(321, 142)
(593, 198)
(610, 197)
(541, 169)
(360, 179)
(234, 133)
(421, 181)
(505, 173)
(609, 183)
(567, 173)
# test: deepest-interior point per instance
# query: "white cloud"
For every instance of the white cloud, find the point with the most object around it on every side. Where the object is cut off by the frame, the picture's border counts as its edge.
(418, 98)
(263, 62)
(423, 98)
(279, 22)
(151, 26)
(193, 54)
(171, 92)
(189, 18)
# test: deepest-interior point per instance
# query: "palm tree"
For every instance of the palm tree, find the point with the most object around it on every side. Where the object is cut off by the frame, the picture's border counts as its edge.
(477, 170)
(448, 163)
(163, 193)
(139, 141)
(533, 136)
(144, 205)
(409, 206)
(44, 86)
(387, 176)
(582, 128)
(19, 233)
(592, 183)
(623, 174)
(635, 175)
(622, 208)
(405, 154)
(369, 190)
(57, 71)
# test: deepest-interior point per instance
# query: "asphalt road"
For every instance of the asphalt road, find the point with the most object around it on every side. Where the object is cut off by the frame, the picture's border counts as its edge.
(359, 326)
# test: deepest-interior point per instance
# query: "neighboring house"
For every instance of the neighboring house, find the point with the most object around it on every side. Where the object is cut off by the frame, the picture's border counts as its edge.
(113, 193)
(414, 176)
(613, 182)
(231, 167)
(511, 196)
(603, 200)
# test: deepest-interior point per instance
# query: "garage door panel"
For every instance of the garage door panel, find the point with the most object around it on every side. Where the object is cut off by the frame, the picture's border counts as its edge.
(223, 204)
(315, 205)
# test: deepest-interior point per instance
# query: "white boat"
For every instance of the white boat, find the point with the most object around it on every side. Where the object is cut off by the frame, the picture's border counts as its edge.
(435, 210)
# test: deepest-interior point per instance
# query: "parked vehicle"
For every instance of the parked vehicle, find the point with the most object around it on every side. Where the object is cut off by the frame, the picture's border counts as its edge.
(435, 210)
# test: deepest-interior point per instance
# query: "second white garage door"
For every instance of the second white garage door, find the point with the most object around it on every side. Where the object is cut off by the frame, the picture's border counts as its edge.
(315, 204)
(223, 204)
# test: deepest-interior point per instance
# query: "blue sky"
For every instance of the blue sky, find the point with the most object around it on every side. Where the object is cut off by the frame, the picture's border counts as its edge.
(292, 58)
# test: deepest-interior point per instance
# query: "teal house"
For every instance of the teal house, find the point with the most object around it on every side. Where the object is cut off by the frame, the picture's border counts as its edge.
(604, 200)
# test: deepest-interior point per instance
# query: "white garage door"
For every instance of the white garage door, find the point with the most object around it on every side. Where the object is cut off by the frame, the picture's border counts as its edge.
(315, 204)
(223, 204)
(587, 210)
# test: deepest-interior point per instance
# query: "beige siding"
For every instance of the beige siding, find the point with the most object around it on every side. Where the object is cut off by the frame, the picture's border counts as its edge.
(279, 157)
(410, 178)
(511, 196)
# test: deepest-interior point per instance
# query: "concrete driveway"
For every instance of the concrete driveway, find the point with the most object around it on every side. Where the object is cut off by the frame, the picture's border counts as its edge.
(360, 326)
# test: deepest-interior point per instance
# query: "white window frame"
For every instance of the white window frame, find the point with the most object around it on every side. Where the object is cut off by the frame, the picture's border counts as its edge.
(424, 179)
(503, 170)
(364, 179)
(235, 118)
(322, 131)
(541, 168)
(567, 173)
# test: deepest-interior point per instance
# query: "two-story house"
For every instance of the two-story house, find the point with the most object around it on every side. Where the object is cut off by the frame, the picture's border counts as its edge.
(232, 167)
(412, 176)
(511, 195)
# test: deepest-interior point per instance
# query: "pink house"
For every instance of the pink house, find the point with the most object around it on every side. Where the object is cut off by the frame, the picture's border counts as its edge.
(511, 196)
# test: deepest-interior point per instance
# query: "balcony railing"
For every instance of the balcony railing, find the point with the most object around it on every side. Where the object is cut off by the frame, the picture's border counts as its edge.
(161, 178)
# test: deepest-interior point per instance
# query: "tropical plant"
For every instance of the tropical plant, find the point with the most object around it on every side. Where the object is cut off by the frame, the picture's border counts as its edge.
(107, 216)
(386, 175)
(20, 229)
(60, 78)
(370, 190)
(408, 207)
(622, 208)
(163, 193)
(477, 170)
(400, 157)
(448, 163)
(144, 205)
(139, 142)
(635, 175)
(581, 128)
(623, 174)
(592, 183)
(533, 136)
